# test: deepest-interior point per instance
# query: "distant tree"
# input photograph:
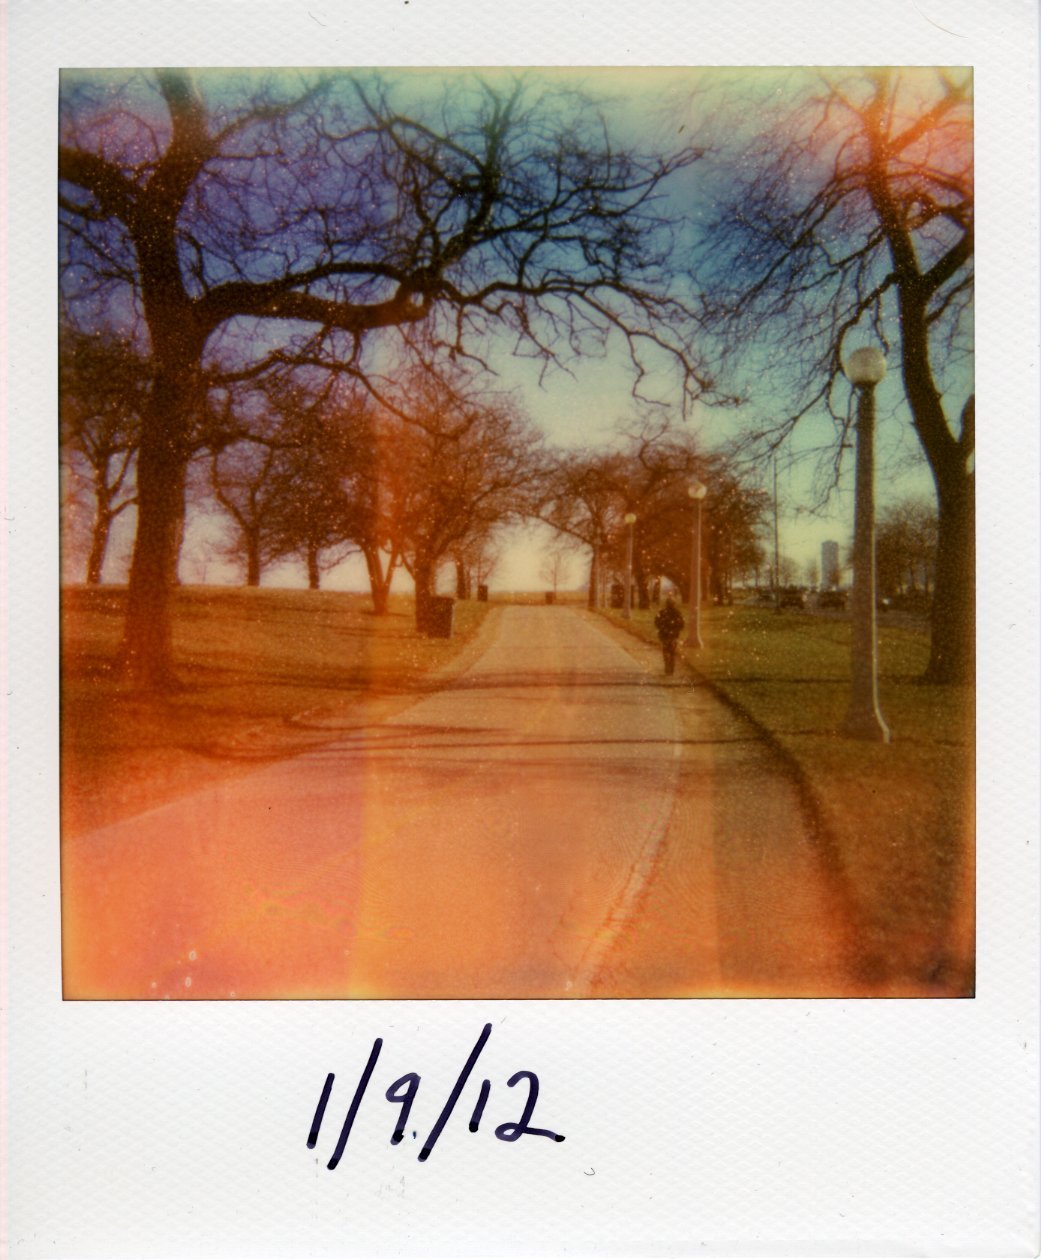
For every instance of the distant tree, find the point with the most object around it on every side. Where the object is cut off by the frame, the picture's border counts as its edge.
(731, 515)
(734, 513)
(317, 504)
(658, 464)
(205, 550)
(556, 563)
(588, 494)
(293, 467)
(850, 215)
(812, 573)
(474, 558)
(236, 212)
(77, 514)
(661, 465)
(752, 565)
(449, 474)
(787, 571)
(104, 389)
(242, 483)
(906, 540)
(581, 495)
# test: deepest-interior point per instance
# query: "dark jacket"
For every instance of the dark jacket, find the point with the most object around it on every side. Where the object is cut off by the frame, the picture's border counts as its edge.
(669, 622)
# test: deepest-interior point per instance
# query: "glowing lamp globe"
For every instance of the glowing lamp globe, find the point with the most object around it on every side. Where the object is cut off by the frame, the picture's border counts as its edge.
(866, 366)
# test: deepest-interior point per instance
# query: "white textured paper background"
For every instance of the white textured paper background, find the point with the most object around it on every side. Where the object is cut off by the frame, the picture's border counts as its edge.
(692, 1127)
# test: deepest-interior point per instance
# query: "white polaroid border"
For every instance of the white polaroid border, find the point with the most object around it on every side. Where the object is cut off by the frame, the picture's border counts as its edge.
(700, 1127)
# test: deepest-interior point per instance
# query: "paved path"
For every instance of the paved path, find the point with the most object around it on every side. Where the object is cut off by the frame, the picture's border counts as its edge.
(556, 821)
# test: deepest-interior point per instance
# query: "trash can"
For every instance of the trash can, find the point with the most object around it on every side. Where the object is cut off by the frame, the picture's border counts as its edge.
(439, 617)
(482, 593)
(551, 597)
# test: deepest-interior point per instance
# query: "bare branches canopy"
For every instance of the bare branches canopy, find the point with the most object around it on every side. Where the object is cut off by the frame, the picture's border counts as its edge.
(240, 227)
(234, 213)
(848, 218)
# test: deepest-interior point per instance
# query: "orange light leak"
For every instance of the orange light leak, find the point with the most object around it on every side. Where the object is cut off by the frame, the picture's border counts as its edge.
(555, 823)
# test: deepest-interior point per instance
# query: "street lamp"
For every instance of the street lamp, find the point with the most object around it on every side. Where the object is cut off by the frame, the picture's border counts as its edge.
(696, 491)
(627, 611)
(865, 368)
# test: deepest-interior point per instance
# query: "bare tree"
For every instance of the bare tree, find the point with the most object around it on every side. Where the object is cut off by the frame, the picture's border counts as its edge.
(475, 558)
(906, 548)
(787, 571)
(458, 471)
(588, 495)
(851, 215)
(556, 564)
(732, 515)
(235, 212)
(316, 504)
(241, 481)
(104, 392)
(657, 465)
(581, 498)
(485, 561)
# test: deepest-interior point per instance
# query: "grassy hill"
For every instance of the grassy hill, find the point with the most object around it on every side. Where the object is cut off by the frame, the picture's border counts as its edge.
(899, 816)
(264, 673)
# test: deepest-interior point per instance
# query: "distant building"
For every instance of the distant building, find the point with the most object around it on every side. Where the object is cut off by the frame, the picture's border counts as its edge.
(831, 573)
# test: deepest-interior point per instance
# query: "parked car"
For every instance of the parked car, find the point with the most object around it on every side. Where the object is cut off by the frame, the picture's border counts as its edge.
(832, 599)
(913, 602)
(792, 597)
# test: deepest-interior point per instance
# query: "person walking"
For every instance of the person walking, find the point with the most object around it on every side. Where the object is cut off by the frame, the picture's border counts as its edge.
(669, 623)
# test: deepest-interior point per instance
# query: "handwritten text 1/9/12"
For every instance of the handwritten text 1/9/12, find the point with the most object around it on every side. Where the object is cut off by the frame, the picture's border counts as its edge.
(403, 1092)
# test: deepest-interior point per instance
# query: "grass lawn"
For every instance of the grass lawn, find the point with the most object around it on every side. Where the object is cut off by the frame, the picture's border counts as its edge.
(262, 671)
(900, 815)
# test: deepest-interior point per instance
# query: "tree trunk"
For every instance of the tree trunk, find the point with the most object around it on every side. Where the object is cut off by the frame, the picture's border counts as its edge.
(643, 593)
(379, 581)
(252, 560)
(952, 656)
(98, 546)
(162, 465)
(314, 573)
(423, 576)
(952, 652)
(147, 652)
(174, 575)
(953, 647)
(593, 575)
(461, 581)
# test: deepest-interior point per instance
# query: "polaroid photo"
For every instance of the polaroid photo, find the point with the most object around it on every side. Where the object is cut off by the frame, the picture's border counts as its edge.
(520, 740)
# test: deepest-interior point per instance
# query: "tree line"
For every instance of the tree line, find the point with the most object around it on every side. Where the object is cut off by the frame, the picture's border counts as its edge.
(298, 256)
(309, 467)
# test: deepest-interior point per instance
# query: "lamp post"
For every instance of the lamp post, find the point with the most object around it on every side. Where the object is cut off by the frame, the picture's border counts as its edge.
(777, 546)
(865, 368)
(627, 610)
(593, 566)
(696, 491)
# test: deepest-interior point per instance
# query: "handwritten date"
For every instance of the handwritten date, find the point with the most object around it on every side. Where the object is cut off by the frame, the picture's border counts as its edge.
(403, 1092)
